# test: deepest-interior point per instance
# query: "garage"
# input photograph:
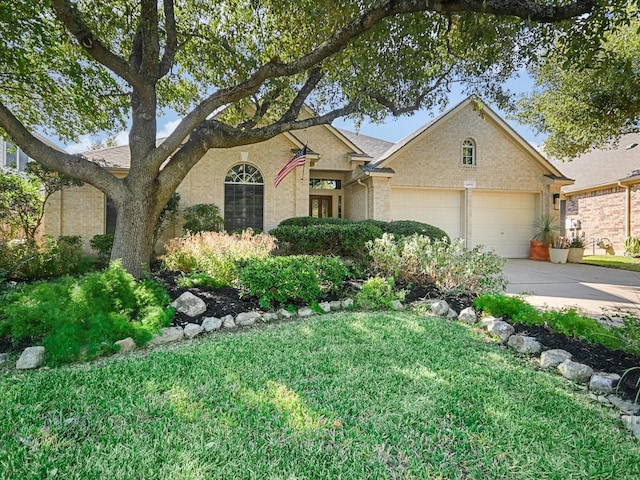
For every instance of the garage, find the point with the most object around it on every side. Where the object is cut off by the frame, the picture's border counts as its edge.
(503, 221)
(441, 208)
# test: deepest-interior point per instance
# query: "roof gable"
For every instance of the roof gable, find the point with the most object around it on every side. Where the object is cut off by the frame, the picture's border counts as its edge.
(469, 103)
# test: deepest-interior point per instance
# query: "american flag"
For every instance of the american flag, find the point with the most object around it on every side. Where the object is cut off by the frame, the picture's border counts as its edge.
(296, 161)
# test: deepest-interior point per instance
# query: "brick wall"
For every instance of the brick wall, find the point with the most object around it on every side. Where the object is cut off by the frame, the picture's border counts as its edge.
(602, 215)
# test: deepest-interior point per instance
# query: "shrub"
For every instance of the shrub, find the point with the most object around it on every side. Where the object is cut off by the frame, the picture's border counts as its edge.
(347, 240)
(377, 293)
(203, 217)
(514, 308)
(26, 260)
(291, 279)
(102, 244)
(450, 266)
(83, 317)
(215, 254)
(407, 228)
(307, 221)
(632, 247)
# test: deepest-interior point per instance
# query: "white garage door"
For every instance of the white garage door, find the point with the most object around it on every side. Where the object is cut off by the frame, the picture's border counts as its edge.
(440, 208)
(503, 221)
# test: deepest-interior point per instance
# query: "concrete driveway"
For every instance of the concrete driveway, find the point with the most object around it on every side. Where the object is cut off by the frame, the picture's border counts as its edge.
(590, 289)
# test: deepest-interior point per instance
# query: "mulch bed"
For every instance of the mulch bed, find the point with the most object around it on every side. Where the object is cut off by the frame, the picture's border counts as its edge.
(227, 301)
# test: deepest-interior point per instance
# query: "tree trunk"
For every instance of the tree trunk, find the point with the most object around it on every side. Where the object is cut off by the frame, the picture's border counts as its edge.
(135, 226)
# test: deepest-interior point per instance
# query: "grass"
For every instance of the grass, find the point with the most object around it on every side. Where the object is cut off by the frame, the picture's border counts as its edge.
(347, 395)
(613, 261)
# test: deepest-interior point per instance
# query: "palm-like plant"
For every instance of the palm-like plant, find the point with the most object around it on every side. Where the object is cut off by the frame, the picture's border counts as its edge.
(546, 228)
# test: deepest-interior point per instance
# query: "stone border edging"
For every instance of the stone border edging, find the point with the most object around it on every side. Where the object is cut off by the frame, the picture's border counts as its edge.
(601, 385)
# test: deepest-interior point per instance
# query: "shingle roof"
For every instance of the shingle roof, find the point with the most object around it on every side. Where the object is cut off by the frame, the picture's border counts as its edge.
(113, 157)
(373, 146)
(603, 167)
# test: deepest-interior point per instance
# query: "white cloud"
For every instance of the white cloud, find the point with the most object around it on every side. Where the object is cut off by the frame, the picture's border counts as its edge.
(82, 146)
(168, 128)
(122, 138)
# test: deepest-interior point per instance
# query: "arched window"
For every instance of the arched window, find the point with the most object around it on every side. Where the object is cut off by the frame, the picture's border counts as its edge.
(243, 198)
(468, 152)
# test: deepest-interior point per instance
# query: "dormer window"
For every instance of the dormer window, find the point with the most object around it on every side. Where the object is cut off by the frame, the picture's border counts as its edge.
(468, 152)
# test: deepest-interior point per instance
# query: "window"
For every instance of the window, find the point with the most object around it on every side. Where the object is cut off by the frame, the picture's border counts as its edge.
(243, 198)
(14, 157)
(325, 184)
(468, 152)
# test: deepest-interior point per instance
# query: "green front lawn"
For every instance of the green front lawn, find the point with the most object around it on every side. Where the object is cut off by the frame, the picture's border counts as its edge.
(347, 395)
(613, 261)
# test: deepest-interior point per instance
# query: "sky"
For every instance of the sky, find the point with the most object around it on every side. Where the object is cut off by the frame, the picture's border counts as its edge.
(392, 130)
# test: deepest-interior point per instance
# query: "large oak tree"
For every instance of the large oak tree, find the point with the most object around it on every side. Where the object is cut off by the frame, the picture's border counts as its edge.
(239, 71)
(590, 100)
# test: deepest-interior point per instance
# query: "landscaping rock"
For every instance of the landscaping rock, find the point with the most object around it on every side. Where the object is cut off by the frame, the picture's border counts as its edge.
(32, 357)
(210, 324)
(553, 358)
(347, 303)
(468, 315)
(488, 321)
(604, 382)
(126, 345)
(305, 312)
(284, 313)
(189, 304)
(576, 372)
(524, 344)
(440, 308)
(501, 329)
(168, 335)
(3, 358)
(397, 305)
(192, 330)
(228, 322)
(325, 307)
(247, 319)
(626, 406)
(335, 305)
(270, 317)
(632, 422)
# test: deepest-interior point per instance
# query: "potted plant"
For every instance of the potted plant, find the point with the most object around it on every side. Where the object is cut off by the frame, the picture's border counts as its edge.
(576, 249)
(559, 250)
(545, 229)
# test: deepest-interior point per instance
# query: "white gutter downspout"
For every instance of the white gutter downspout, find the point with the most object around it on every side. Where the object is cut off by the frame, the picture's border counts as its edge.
(366, 199)
(627, 203)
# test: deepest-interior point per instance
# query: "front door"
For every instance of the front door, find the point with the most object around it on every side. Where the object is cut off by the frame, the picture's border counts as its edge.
(320, 206)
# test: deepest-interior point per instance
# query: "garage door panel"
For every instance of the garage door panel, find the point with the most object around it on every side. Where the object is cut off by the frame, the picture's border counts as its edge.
(441, 208)
(503, 221)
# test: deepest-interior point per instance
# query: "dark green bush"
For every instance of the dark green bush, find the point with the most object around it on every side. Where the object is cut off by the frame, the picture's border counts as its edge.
(406, 228)
(203, 217)
(102, 244)
(80, 317)
(306, 221)
(347, 240)
(283, 280)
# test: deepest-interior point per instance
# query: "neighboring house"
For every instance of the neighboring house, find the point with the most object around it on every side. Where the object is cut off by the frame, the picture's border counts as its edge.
(604, 201)
(467, 172)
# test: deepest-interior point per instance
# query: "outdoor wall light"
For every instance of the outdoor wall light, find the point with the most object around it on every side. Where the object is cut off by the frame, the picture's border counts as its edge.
(556, 201)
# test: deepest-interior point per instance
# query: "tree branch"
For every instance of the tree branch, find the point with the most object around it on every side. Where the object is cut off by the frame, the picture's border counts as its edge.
(71, 20)
(312, 82)
(171, 46)
(75, 166)
(525, 9)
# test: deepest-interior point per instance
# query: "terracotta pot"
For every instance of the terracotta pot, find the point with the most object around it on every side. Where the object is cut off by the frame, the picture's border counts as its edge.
(538, 251)
(575, 255)
(558, 255)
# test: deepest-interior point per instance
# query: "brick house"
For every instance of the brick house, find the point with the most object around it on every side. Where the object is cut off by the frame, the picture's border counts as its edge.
(604, 201)
(467, 172)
